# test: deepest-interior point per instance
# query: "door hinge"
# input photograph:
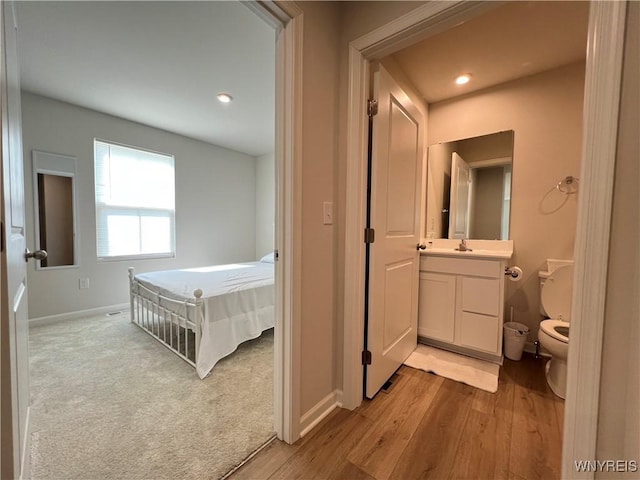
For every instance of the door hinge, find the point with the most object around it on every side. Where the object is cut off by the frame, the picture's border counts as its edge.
(276, 254)
(372, 107)
(369, 235)
(366, 357)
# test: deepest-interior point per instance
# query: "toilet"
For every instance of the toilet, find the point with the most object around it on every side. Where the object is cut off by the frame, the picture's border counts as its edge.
(555, 303)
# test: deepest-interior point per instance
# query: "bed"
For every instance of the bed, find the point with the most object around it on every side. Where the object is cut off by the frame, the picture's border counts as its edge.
(203, 314)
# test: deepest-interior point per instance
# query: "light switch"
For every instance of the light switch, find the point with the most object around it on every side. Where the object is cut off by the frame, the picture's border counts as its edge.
(327, 213)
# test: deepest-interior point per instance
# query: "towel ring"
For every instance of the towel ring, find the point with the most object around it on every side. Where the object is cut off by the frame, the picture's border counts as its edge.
(568, 185)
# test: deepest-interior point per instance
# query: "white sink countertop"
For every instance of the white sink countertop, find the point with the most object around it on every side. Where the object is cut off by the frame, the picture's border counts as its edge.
(489, 249)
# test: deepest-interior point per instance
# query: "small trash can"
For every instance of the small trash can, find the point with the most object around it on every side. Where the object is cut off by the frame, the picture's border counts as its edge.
(515, 336)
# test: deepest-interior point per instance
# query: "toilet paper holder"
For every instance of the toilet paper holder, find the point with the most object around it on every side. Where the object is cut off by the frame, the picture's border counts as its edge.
(512, 272)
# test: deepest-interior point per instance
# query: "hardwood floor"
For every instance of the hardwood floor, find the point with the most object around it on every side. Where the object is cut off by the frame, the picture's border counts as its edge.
(431, 427)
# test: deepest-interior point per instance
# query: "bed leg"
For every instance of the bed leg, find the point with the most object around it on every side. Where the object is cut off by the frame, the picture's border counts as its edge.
(198, 313)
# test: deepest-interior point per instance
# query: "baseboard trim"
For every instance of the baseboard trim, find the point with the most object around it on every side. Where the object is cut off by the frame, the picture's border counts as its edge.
(319, 412)
(35, 322)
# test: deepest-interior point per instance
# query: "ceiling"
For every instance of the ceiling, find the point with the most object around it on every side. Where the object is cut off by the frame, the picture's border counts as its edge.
(510, 41)
(157, 63)
(162, 63)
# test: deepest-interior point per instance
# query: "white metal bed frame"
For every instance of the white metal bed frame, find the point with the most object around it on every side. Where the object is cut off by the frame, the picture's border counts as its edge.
(168, 320)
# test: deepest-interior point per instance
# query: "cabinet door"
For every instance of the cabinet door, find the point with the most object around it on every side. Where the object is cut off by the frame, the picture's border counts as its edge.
(480, 332)
(436, 307)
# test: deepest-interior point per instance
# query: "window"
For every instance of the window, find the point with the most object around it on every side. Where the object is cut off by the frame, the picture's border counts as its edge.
(135, 202)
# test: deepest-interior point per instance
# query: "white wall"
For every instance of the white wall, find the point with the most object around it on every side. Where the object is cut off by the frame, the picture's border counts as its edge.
(319, 146)
(545, 113)
(215, 203)
(488, 198)
(265, 204)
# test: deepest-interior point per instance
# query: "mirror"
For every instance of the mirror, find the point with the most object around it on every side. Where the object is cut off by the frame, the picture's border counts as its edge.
(55, 213)
(469, 187)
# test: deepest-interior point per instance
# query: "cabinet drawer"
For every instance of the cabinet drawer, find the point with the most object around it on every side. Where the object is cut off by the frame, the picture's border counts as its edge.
(462, 266)
(480, 332)
(481, 295)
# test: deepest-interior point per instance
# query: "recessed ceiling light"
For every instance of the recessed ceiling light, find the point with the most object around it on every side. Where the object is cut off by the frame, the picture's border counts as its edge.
(462, 79)
(224, 97)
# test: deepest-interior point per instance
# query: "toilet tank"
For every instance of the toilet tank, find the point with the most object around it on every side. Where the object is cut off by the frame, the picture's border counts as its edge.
(551, 265)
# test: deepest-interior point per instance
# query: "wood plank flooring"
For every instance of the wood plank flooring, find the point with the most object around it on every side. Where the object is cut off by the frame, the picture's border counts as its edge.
(431, 427)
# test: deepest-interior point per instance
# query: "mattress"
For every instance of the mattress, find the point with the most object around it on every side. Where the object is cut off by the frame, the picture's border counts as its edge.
(238, 304)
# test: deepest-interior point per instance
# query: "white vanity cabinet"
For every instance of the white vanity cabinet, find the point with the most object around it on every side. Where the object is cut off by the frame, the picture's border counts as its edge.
(461, 303)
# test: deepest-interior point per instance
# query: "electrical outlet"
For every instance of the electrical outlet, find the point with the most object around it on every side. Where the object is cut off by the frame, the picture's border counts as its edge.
(84, 283)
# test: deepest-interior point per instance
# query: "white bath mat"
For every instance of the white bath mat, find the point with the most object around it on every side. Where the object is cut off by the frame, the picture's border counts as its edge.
(474, 372)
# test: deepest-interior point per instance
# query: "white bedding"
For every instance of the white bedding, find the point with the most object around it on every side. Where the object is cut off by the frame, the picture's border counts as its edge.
(238, 304)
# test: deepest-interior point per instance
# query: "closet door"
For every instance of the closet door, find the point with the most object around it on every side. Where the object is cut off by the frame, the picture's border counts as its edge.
(15, 328)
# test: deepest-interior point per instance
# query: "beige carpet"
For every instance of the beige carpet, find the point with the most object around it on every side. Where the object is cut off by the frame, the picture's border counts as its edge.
(110, 402)
(473, 372)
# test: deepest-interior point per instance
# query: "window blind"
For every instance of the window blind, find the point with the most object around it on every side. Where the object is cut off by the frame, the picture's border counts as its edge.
(135, 201)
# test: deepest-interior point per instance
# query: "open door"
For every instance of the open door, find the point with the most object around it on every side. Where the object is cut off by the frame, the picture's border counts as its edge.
(460, 197)
(395, 203)
(14, 358)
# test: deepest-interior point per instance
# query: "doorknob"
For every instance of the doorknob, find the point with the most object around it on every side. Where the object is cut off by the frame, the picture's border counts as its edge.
(38, 255)
(421, 246)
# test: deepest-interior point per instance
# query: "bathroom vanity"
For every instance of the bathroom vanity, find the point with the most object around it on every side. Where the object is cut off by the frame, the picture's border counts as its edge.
(461, 302)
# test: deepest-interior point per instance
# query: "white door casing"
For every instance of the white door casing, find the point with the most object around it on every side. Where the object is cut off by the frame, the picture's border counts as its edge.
(429, 18)
(287, 19)
(15, 330)
(396, 212)
(287, 375)
(460, 197)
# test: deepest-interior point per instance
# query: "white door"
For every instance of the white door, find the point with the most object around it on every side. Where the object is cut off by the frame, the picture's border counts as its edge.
(14, 332)
(397, 156)
(460, 197)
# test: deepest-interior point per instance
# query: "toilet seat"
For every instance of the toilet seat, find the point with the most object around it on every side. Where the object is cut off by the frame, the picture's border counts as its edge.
(549, 327)
(556, 293)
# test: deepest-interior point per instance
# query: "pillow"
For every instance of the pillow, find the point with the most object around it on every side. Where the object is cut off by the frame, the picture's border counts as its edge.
(268, 258)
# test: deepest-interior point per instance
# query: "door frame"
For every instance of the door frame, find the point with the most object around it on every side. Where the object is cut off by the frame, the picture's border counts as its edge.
(425, 20)
(287, 19)
(600, 126)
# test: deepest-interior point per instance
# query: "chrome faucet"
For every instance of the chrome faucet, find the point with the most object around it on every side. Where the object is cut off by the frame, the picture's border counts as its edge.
(463, 246)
